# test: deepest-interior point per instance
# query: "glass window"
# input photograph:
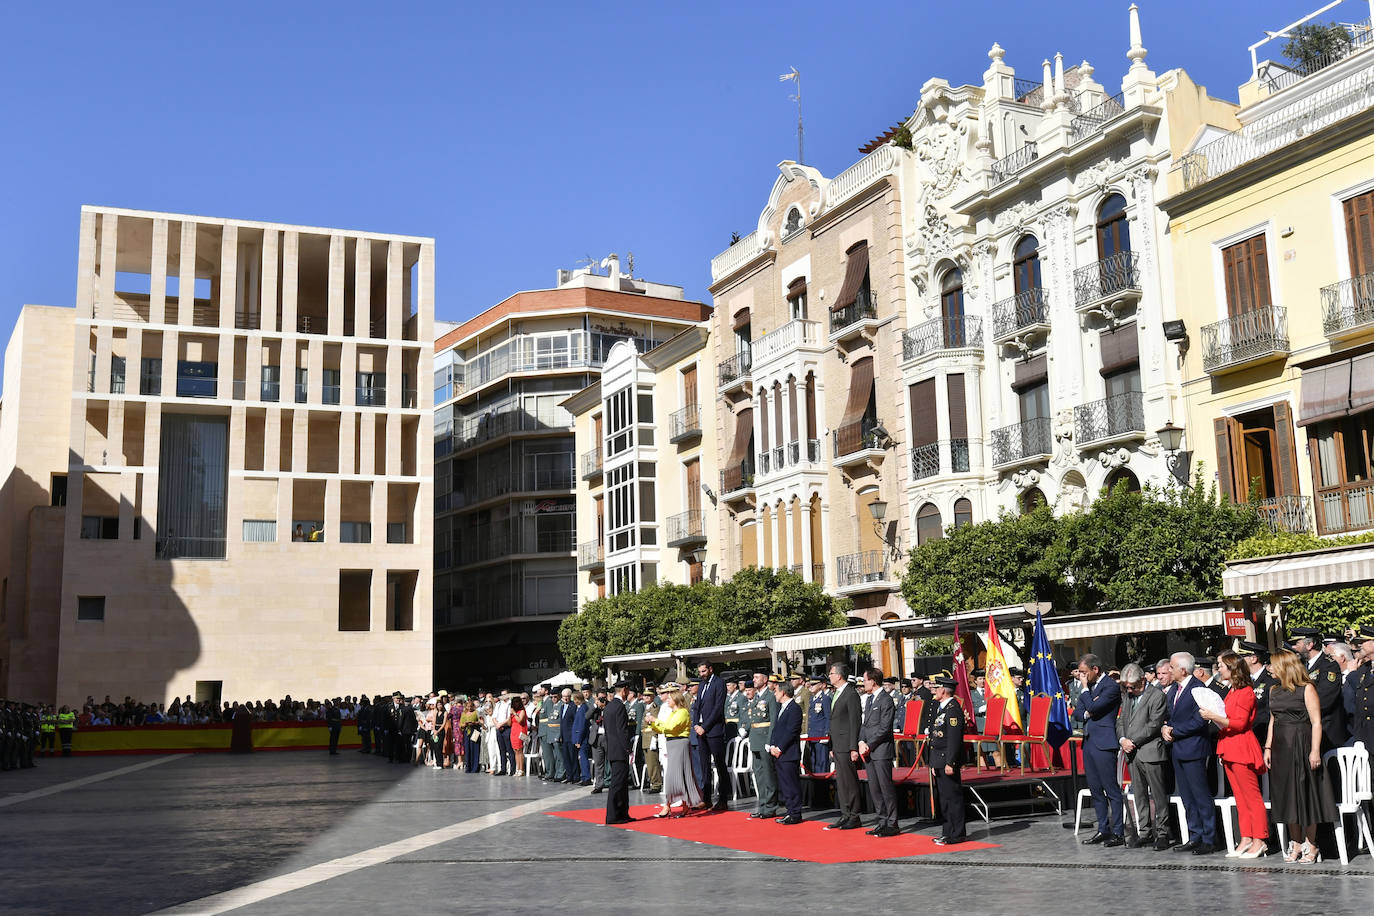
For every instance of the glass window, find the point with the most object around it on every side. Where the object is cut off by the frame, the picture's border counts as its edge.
(1113, 229)
(355, 532)
(329, 390)
(258, 531)
(963, 513)
(1035, 402)
(1026, 264)
(271, 383)
(928, 526)
(116, 375)
(90, 607)
(197, 379)
(150, 376)
(1123, 382)
(952, 294)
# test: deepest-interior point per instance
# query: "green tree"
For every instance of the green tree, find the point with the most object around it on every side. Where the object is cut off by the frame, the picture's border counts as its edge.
(759, 603)
(1313, 45)
(1330, 611)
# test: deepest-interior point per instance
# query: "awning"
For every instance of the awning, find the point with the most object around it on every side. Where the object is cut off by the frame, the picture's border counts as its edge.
(854, 272)
(1148, 620)
(1120, 348)
(1362, 383)
(1030, 373)
(828, 639)
(645, 659)
(744, 431)
(736, 650)
(860, 390)
(1312, 570)
(1012, 615)
(1325, 393)
(741, 319)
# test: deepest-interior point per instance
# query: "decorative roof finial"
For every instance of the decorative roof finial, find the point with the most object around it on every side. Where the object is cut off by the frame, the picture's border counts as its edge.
(1137, 52)
(996, 53)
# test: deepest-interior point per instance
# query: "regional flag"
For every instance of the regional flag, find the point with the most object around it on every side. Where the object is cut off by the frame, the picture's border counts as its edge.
(1044, 681)
(999, 676)
(961, 685)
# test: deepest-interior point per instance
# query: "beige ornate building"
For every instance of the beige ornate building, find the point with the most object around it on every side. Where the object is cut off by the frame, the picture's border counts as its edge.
(228, 492)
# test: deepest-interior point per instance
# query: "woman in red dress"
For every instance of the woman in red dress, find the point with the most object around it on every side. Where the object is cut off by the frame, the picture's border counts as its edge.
(1240, 754)
(518, 729)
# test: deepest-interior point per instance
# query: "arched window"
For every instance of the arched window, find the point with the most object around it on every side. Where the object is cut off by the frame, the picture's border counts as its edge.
(1113, 229)
(1025, 264)
(1031, 500)
(963, 513)
(928, 526)
(952, 308)
(1122, 474)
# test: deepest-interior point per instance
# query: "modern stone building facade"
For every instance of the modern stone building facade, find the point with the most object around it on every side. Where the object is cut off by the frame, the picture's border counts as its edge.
(506, 520)
(243, 495)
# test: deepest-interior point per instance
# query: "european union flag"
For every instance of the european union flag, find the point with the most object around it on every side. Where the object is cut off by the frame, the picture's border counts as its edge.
(1044, 681)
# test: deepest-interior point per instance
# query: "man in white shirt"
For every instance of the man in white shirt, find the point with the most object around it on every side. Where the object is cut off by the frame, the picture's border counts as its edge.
(500, 714)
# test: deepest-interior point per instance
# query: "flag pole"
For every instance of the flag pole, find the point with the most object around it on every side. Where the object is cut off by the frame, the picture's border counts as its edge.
(795, 77)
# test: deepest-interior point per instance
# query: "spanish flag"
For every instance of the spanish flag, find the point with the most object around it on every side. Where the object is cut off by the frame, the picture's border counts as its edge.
(999, 676)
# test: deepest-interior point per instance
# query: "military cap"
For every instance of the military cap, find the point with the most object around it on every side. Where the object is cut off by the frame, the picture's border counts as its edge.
(1253, 648)
(1017, 672)
(1204, 661)
(889, 680)
(815, 679)
(399, 694)
(798, 675)
(918, 675)
(620, 684)
(1304, 633)
(776, 678)
(980, 672)
(946, 682)
(694, 682)
(906, 682)
(1366, 632)
(1330, 640)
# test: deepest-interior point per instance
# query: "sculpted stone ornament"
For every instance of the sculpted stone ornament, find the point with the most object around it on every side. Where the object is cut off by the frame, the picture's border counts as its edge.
(1111, 459)
(1023, 480)
(1063, 437)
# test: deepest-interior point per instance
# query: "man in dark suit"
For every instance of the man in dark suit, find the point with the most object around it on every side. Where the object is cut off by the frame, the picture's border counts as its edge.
(1326, 676)
(946, 755)
(784, 744)
(567, 716)
(1139, 732)
(708, 722)
(616, 721)
(818, 726)
(876, 747)
(1100, 702)
(1191, 740)
(844, 744)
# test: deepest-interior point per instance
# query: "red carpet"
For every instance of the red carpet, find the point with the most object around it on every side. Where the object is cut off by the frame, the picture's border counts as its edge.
(806, 842)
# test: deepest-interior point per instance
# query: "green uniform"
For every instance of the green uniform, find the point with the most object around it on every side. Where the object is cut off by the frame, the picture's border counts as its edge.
(763, 713)
(736, 711)
(803, 701)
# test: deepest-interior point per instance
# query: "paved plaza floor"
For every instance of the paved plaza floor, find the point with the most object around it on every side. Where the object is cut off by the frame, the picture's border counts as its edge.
(308, 833)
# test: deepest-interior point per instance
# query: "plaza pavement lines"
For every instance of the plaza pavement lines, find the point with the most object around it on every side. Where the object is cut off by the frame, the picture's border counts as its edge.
(324, 871)
(86, 780)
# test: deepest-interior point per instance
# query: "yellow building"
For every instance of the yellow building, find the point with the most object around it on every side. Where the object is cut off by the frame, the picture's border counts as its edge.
(1271, 212)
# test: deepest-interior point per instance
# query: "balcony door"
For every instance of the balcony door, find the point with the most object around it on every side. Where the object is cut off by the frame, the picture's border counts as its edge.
(1026, 264)
(952, 308)
(1113, 229)
(1256, 453)
(693, 469)
(1246, 266)
(1359, 233)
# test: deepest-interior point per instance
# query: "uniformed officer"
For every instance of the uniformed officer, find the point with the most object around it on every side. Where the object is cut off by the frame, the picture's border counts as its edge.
(30, 735)
(898, 704)
(946, 750)
(8, 733)
(1257, 657)
(47, 730)
(818, 725)
(649, 743)
(801, 696)
(1326, 676)
(1361, 709)
(735, 706)
(763, 714)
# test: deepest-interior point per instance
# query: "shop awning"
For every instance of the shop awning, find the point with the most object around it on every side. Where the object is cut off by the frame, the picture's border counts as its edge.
(829, 639)
(736, 650)
(1312, 570)
(1137, 620)
(1013, 615)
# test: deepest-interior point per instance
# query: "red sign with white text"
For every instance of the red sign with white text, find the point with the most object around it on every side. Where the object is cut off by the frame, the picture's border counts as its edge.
(1235, 623)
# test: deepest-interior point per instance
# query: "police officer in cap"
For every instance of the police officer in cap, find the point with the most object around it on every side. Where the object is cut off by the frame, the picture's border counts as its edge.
(1326, 676)
(818, 726)
(763, 715)
(946, 756)
(1257, 658)
(1361, 710)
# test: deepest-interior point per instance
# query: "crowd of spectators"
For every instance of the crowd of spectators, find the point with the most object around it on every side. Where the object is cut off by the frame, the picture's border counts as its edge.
(185, 711)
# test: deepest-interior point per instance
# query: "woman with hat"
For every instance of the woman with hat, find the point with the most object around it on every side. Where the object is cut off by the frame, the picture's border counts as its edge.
(679, 781)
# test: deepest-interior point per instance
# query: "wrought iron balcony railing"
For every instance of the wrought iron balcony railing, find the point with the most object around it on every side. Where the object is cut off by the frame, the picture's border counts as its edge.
(860, 568)
(687, 528)
(856, 437)
(591, 463)
(591, 554)
(1023, 88)
(925, 461)
(1029, 440)
(1027, 309)
(1348, 305)
(735, 480)
(1280, 76)
(1091, 121)
(865, 308)
(1346, 507)
(1111, 418)
(1286, 514)
(1245, 338)
(684, 423)
(735, 368)
(1106, 278)
(943, 334)
(1013, 162)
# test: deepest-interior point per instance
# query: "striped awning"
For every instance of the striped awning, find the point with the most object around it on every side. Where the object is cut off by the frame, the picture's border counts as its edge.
(1312, 570)
(1209, 615)
(828, 639)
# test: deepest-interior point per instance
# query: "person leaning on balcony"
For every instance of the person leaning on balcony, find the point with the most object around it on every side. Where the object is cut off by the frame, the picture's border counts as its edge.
(1240, 755)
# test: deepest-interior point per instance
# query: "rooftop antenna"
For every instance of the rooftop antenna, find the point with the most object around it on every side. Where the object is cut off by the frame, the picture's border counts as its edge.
(630, 264)
(795, 76)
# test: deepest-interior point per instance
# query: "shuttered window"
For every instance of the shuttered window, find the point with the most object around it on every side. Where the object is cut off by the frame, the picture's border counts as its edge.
(1246, 265)
(1359, 233)
(924, 430)
(958, 409)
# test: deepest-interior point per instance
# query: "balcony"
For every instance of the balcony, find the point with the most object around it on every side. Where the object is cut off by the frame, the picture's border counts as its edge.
(247, 321)
(370, 397)
(188, 548)
(1344, 508)
(1107, 283)
(1021, 315)
(853, 320)
(197, 386)
(735, 370)
(1245, 339)
(591, 463)
(1290, 124)
(329, 394)
(1119, 418)
(737, 483)
(271, 391)
(1094, 119)
(865, 571)
(1028, 442)
(1348, 307)
(684, 424)
(687, 529)
(941, 334)
(591, 555)
(795, 335)
(1013, 162)
(926, 459)
(858, 443)
(490, 486)
(1286, 514)
(489, 427)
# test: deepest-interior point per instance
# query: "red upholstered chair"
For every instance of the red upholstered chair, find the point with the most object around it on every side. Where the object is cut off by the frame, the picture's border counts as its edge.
(992, 728)
(911, 733)
(1037, 732)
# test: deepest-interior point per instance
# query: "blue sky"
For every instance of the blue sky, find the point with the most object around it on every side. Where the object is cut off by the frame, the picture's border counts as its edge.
(522, 136)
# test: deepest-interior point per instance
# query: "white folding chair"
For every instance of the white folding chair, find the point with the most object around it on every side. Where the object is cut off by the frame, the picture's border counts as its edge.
(635, 778)
(741, 765)
(1355, 789)
(1087, 794)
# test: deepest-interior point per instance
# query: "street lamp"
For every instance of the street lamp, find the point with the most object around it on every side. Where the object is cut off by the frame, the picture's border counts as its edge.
(1171, 439)
(878, 509)
(699, 557)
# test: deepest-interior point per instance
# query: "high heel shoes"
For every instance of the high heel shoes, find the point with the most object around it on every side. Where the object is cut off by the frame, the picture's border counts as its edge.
(1255, 852)
(1310, 855)
(1294, 850)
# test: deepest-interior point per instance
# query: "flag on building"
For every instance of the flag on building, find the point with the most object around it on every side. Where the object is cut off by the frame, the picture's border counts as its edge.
(999, 677)
(961, 684)
(1044, 682)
